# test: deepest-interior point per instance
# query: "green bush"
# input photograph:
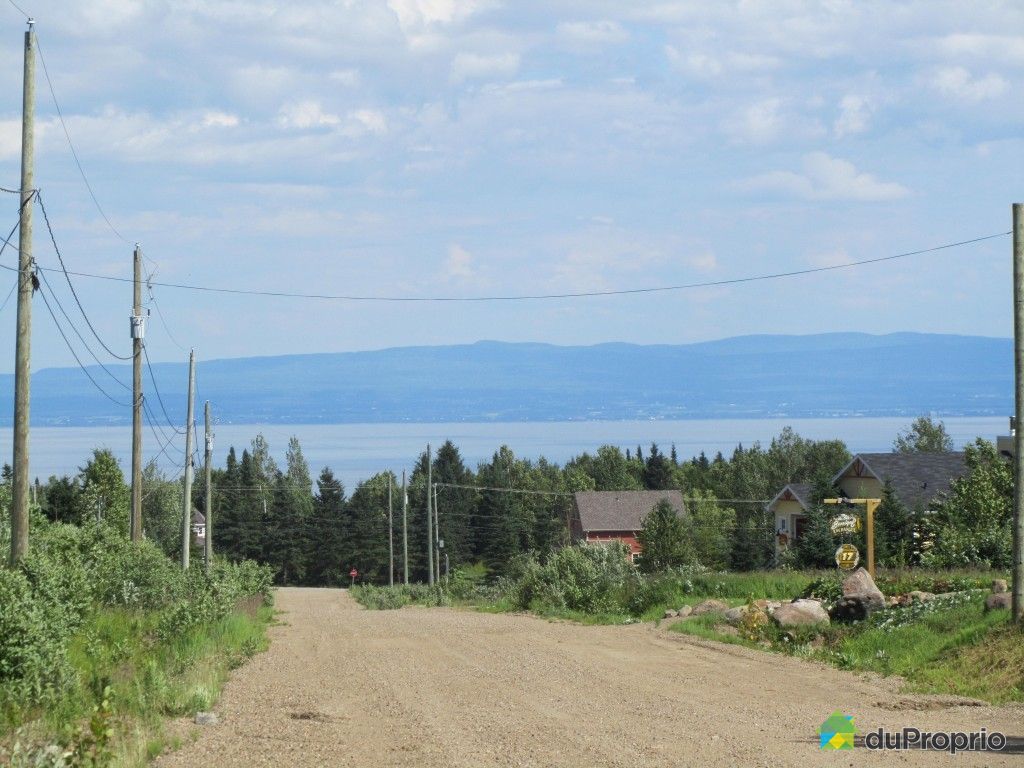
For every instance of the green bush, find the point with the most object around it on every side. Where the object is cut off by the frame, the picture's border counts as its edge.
(581, 578)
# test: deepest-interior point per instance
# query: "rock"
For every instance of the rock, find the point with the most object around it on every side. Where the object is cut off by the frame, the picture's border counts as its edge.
(736, 615)
(998, 600)
(726, 629)
(849, 609)
(999, 586)
(684, 611)
(800, 613)
(922, 597)
(207, 718)
(767, 605)
(709, 606)
(670, 614)
(859, 584)
(892, 600)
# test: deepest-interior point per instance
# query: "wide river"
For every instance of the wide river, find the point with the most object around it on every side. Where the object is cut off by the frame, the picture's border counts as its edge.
(356, 451)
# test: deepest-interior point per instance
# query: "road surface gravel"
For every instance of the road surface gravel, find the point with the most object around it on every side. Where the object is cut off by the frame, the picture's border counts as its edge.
(342, 686)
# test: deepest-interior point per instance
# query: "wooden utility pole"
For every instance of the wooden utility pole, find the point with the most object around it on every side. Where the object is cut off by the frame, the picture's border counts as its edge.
(208, 548)
(430, 525)
(23, 343)
(186, 525)
(437, 536)
(138, 327)
(391, 536)
(1018, 434)
(405, 530)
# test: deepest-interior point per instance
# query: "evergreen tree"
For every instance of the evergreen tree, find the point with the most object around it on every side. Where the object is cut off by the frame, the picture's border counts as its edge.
(657, 471)
(816, 548)
(104, 492)
(330, 546)
(664, 540)
(894, 531)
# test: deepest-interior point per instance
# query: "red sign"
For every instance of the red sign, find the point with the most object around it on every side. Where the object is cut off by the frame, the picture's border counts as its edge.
(353, 573)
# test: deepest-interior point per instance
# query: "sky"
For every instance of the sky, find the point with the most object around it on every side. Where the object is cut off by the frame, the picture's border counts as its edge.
(463, 148)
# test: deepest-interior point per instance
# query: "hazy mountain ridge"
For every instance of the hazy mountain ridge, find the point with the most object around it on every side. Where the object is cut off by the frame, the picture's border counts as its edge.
(836, 374)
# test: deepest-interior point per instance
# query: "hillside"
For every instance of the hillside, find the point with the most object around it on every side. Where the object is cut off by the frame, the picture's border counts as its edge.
(845, 374)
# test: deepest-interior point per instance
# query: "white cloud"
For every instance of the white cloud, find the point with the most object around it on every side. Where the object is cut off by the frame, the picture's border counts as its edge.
(854, 116)
(826, 178)
(759, 123)
(1007, 48)
(703, 262)
(471, 66)
(10, 139)
(368, 121)
(347, 77)
(419, 20)
(707, 66)
(459, 264)
(305, 114)
(220, 120)
(960, 84)
(602, 32)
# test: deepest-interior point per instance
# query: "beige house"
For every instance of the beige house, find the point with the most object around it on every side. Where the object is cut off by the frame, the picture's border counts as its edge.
(917, 480)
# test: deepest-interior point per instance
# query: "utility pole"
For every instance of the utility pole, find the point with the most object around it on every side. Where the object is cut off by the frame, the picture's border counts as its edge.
(437, 535)
(208, 549)
(138, 327)
(430, 525)
(391, 537)
(405, 531)
(23, 343)
(186, 526)
(1018, 433)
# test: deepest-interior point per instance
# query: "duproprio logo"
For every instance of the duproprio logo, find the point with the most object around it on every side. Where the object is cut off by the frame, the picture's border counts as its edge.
(837, 732)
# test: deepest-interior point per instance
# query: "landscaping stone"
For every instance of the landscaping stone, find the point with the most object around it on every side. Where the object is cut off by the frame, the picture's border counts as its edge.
(999, 586)
(800, 613)
(709, 606)
(922, 597)
(726, 629)
(684, 611)
(767, 605)
(998, 600)
(736, 615)
(849, 609)
(670, 614)
(207, 718)
(859, 584)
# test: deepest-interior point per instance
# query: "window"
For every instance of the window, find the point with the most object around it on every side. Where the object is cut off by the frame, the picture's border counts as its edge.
(782, 525)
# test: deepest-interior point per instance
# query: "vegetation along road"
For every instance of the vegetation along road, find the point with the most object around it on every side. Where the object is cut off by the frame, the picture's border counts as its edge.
(343, 686)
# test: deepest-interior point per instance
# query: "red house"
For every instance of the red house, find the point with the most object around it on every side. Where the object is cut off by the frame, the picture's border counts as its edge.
(604, 516)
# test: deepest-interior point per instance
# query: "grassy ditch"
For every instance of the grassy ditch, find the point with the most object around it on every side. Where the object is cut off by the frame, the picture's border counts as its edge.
(949, 645)
(101, 641)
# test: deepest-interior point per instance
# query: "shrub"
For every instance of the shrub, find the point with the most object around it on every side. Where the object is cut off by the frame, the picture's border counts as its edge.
(580, 578)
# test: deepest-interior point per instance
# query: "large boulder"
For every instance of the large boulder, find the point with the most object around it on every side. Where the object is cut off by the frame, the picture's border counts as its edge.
(849, 609)
(684, 611)
(737, 615)
(709, 606)
(998, 600)
(999, 586)
(800, 613)
(861, 586)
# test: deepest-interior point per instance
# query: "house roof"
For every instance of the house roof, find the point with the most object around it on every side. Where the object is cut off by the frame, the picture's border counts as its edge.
(198, 518)
(621, 510)
(917, 478)
(799, 492)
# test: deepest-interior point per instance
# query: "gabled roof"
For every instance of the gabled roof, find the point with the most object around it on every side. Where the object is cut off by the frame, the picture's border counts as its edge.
(917, 478)
(621, 510)
(198, 518)
(798, 492)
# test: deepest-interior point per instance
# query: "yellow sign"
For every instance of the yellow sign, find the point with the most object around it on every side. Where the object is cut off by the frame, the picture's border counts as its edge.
(847, 557)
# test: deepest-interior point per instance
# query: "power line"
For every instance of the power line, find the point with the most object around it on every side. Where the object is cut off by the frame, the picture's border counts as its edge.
(18, 9)
(163, 321)
(544, 296)
(82, 338)
(159, 397)
(9, 294)
(74, 152)
(74, 293)
(75, 355)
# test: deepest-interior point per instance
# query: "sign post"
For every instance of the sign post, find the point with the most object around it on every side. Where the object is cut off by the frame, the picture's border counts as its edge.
(870, 505)
(353, 574)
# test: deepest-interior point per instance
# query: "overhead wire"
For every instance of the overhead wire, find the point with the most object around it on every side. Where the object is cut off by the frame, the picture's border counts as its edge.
(18, 9)
(159, 397)
(42, 292)
(82, 338)
(546, 296)
(71, 145)
(71, 285)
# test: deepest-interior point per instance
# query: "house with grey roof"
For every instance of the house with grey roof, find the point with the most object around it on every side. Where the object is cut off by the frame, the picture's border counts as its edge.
(917, 480)
(601, 517)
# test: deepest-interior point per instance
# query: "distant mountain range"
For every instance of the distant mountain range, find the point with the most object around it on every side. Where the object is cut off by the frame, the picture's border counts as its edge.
(836, 374)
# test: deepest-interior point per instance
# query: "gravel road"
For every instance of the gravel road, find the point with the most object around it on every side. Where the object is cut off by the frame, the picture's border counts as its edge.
(341, 686)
